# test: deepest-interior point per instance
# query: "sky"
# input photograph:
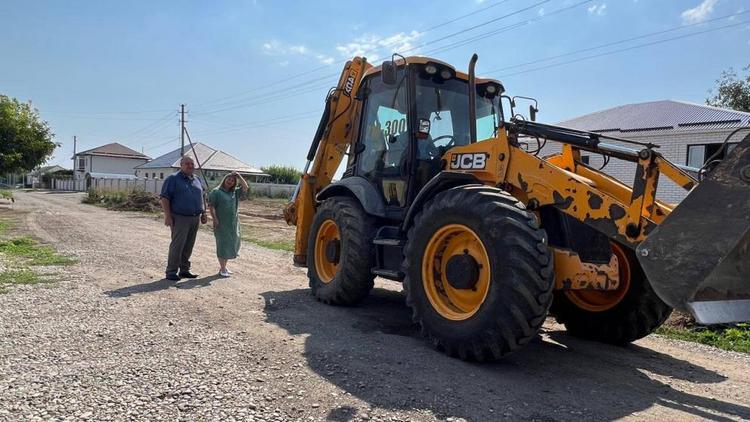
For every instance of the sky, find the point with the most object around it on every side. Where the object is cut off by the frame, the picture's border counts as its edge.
(253, 74)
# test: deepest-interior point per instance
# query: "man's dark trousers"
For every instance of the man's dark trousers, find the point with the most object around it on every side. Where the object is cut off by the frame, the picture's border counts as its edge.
(184, 230)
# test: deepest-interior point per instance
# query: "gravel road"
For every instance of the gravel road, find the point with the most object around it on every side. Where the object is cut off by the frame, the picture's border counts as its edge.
(111, 340)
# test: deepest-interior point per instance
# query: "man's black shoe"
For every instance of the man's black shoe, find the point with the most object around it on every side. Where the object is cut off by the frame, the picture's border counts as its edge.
(173, 277)
(188, 274)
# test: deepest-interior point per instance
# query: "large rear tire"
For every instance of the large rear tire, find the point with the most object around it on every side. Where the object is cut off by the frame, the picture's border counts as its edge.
(340, 252)
(478, 273)
(617, 317)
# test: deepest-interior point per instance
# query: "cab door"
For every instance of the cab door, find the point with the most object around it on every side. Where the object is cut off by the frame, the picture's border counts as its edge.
(384, 145)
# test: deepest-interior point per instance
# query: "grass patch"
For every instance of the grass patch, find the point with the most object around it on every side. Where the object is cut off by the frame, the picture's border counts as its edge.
(34, 254)
(735, 338)
(6, 194)
(4, 226)
(20, 277)
(279, 245)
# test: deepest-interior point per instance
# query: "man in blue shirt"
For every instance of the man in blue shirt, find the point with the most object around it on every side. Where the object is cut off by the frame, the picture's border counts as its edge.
(182, 202)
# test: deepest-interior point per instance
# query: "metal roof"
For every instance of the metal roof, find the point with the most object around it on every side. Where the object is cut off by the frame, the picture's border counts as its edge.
(114, 149)
(209, 158)
(661, 116)
(95, 175)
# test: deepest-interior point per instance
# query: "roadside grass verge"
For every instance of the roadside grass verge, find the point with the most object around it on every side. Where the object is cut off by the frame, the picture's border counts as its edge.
(733, 337)
(6, 194)
(23, 276)
(279, 245)
(32, 253)
(4, 226)
(19, 254)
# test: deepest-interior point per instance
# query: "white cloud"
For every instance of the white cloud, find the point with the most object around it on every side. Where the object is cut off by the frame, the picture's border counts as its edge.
(373, 46)
(698, 13)
(325, 59)
(597, 9)
(273, 48)
(540, 12)
(298, 49)
(370, 45)
(278, 48)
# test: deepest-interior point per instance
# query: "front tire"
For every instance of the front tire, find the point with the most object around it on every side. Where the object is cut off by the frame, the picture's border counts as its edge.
(340, 252)
(478, 273)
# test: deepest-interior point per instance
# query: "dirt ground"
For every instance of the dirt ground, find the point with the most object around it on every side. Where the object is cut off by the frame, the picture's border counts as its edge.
(111, 340)
(263, 217)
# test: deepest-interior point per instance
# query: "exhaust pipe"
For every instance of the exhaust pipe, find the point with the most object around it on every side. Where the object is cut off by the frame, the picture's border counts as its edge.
(473, 98)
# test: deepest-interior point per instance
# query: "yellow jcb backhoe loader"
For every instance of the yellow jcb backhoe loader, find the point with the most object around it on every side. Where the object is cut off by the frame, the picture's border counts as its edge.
(442, 192)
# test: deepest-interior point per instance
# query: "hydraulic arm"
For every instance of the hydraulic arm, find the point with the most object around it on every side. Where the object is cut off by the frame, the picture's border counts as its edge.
(335, 134)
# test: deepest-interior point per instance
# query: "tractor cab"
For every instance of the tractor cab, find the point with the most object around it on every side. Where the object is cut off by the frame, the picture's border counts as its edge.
(414, 110)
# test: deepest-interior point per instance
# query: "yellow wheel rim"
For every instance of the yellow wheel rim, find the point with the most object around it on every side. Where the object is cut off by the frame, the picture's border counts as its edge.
(599, 301)
(452, 303)
(327, 233)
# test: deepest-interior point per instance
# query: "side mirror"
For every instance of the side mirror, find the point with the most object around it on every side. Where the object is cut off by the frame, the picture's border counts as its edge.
(532, 113)
(388, 72)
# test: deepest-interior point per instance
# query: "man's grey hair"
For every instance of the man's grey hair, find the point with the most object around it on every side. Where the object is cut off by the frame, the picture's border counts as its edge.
(186, 158)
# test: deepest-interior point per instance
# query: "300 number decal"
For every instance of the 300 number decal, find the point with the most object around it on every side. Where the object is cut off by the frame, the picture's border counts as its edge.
(395, 127)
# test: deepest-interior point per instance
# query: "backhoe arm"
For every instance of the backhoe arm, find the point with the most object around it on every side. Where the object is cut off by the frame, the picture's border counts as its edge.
(336, 132)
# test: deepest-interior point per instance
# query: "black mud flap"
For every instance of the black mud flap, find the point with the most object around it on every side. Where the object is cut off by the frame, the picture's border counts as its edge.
(698, 259)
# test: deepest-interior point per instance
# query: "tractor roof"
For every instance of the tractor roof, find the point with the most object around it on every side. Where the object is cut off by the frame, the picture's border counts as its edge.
(425, 60)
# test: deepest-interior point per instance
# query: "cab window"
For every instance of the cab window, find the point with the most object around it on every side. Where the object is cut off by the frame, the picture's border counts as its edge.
(385, 139)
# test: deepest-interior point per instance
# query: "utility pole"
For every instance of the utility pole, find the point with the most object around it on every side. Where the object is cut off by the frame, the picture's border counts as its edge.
(75, 143)
(182, 130)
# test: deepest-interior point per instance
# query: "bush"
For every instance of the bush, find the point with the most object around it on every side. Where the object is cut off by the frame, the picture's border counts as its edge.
(123, 200)
(283, 174)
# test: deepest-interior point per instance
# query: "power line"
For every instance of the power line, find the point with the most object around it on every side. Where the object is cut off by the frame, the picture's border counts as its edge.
(622, 41)
(174, 139)
(150, 126)
(270, 96)
(471, 28)
(608, 53)
(107, 112)
(264, 123)
(376, 40)
(507, 28)
(239, 103)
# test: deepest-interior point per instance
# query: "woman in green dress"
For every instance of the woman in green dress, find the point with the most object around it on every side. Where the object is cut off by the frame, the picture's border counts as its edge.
(224, 202)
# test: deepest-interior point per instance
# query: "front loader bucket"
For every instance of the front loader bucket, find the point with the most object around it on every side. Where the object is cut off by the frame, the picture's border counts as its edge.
(698, 258)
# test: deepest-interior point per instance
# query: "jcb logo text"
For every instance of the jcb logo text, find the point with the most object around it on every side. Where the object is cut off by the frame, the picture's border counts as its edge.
(468, 161)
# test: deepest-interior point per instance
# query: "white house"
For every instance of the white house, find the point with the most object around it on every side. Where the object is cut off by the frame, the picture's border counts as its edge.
(112, 161)
(215, 164)
(686, 133)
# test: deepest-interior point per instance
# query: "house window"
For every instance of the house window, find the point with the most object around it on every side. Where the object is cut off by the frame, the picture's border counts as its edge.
(145, 175)
(585, 159)
(153, 175)
(161, 175)
(698, 154)
(81, 163)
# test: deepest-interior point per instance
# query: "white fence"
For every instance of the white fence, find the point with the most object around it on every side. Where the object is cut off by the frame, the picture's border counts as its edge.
(273, 190)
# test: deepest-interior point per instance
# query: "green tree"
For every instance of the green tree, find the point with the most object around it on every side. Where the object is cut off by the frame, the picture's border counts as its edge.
(25, 139)
(283, 174)
(731, 91)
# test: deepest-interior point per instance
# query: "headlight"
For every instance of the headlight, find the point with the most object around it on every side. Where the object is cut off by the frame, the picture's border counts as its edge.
(431, 69)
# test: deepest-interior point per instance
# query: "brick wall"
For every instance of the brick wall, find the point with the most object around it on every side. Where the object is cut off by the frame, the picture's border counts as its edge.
(673, 146)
